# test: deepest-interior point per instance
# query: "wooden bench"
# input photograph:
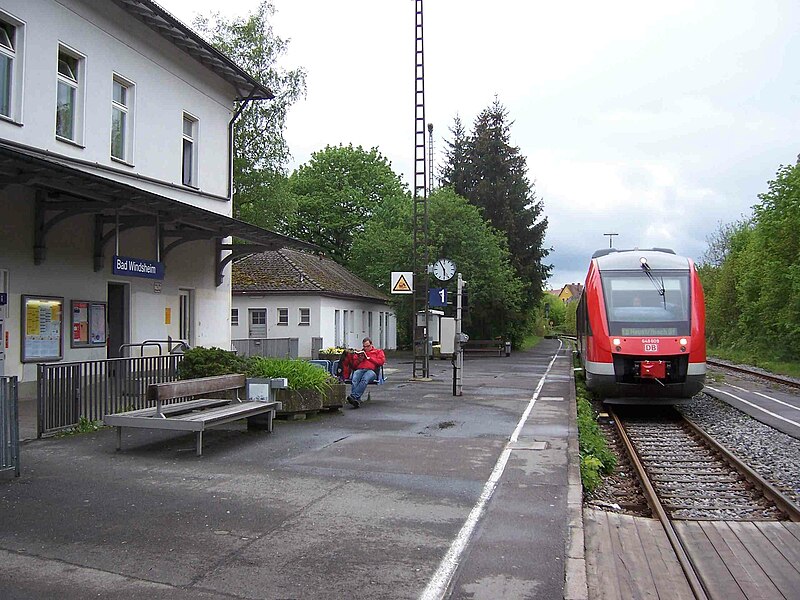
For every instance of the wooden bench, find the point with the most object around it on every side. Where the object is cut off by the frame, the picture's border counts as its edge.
(497, 347)
(189, 413)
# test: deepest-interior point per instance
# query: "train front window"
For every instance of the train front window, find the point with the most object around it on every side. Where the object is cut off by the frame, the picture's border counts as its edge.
(636, 307)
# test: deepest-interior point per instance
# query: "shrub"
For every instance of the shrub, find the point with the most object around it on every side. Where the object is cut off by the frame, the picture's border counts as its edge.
(208, 362)
(596, 457)
(300, 373)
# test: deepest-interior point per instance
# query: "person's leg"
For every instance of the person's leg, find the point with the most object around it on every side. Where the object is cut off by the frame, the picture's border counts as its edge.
(361, 379)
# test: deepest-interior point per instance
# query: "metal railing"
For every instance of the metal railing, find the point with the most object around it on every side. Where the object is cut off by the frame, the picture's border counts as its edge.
(9, 426)
(271, 347)
(92, 389)
(173, 346)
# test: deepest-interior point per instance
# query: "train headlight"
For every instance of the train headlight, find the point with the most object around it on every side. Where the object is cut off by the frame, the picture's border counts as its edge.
(616, 341)
(683, 341)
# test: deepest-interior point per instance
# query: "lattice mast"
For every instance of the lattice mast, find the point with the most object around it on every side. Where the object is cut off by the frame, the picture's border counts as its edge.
(420, 225)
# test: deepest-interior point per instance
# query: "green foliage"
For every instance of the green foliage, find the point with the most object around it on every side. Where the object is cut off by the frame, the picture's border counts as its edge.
(261, 151)
(209, 362)
(84, 426)
(492, 174)
(596, 457)
(336, 193)
(300, 373)
(752, 276)
(457, 231)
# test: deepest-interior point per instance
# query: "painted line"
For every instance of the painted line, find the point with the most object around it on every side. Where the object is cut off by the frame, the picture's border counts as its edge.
(756, 406)
(741, 389)
(438, 584)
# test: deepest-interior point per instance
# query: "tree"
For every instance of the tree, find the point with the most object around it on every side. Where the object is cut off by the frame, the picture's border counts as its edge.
(260, 150)
(458, 231)
(336, 192)
(491, 173)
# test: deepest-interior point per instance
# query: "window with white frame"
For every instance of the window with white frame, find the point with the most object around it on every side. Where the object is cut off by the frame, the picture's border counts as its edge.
(189, 151)
(283, 316)
(122, 97)
(69, 100)
(234, 317)
(305, 316)
(10, 38)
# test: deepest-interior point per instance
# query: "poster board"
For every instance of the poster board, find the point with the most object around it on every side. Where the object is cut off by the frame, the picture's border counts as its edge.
(88, 325)
(42, 328)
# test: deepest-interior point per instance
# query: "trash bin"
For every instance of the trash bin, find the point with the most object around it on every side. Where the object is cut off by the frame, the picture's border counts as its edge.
(508, 348)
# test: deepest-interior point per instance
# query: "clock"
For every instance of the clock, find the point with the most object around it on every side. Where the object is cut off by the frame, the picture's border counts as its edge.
(444, 269)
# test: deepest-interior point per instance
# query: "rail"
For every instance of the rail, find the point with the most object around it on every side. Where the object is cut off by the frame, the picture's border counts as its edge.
(760, 374)
(68, 392)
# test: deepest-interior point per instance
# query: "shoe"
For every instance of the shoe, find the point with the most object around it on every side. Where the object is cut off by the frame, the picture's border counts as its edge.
(353, 402)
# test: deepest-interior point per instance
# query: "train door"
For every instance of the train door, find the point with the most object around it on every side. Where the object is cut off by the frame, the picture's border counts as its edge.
(258, 323)
(186, 316)
(117, 319)
(3, 317)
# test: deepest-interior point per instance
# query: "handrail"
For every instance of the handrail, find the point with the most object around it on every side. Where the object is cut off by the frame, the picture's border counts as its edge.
(182, 345)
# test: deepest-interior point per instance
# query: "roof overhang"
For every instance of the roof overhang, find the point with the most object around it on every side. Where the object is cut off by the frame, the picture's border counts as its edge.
(167, 26)
(68, 191)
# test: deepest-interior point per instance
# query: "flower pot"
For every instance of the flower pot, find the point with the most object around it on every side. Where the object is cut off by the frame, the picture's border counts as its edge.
(335, 397)
(295, 401)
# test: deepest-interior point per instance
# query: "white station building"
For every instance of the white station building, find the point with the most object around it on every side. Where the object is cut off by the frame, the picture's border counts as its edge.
(116, 128)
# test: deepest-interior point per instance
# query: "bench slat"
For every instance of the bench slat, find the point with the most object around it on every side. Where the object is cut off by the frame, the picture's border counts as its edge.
(194, 387)
(178, 407)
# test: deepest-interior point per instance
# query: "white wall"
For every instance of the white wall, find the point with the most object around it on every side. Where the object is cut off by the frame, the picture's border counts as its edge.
(167, 83)
(322, 320)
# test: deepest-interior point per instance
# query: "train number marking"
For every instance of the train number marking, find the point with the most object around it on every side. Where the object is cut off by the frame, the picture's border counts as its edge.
(651, 347)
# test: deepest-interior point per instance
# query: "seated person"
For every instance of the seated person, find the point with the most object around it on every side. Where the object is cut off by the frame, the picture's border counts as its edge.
(367, 362)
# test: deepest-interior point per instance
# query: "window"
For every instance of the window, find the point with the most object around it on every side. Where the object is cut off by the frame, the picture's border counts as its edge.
(305, 316)
(69, 100)
(283, 316)
(234, 317)
(189, 156)
(8, 55)
(122, 119)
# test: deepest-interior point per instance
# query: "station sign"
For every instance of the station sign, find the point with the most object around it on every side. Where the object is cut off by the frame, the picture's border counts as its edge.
(437, 297)
(137, 267)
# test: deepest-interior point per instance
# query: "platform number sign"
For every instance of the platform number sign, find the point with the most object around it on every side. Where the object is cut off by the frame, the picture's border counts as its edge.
(437, 297)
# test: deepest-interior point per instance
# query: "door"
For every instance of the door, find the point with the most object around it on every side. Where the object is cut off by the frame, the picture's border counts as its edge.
(186, 316)
(117, 319)
(258, 323)
(3, 317)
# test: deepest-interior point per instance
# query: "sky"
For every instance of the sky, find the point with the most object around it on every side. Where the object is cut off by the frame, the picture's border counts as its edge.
(654, 121)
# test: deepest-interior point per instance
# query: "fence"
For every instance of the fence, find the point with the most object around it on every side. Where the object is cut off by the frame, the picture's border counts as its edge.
(68, 392)
(9, 426)
(272, 347)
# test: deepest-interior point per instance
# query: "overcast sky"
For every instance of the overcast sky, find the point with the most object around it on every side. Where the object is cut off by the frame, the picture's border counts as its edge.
(655, 121)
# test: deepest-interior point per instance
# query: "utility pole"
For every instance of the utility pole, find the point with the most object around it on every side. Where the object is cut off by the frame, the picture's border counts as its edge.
(430, 158)
(458, 366)
(610, 237)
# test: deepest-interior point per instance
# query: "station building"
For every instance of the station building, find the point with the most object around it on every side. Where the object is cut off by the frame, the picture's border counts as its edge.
(116, 126)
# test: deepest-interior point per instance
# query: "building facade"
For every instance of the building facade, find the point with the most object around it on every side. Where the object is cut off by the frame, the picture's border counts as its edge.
(115, 182)
(294, 294)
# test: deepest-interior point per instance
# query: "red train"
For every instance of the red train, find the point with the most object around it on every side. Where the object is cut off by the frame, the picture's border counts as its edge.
(641, 327)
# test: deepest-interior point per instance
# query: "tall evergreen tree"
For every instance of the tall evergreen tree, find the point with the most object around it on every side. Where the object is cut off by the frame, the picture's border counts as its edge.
(492, 174)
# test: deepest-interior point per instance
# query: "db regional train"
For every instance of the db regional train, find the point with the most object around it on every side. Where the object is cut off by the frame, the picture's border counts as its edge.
(641, 327)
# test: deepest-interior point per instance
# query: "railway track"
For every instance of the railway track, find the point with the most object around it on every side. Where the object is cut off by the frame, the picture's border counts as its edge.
(686, 475)
(754, 373)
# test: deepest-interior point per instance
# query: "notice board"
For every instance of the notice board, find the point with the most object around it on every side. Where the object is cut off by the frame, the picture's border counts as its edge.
(42, 328)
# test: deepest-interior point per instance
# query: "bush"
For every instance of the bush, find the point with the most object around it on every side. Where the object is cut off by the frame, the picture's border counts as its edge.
(300, 373)
(596, 457)
(208, 362)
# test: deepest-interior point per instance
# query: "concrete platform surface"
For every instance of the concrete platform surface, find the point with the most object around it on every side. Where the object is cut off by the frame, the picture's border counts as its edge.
(418, 494)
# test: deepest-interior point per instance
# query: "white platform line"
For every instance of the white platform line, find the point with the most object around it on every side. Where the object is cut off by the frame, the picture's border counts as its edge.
(756, 406)
(439, 582)
(741, 389)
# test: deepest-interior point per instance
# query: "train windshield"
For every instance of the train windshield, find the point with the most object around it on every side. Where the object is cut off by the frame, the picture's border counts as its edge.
(640, 307)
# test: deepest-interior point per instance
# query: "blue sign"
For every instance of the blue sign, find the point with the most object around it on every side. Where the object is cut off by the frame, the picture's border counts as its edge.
(3, 299)
(437, 297)
(137, 267)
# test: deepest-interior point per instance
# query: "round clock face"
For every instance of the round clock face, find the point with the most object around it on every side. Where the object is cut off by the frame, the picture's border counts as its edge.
(444, 269)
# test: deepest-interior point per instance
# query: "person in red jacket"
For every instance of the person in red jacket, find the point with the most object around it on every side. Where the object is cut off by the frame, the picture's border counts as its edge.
(367, 362)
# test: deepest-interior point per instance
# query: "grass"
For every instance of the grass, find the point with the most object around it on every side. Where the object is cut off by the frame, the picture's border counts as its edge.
(83, 426)
(529, 341)
(744, 357)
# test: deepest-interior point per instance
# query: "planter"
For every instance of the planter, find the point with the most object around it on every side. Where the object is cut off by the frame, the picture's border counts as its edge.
(299, 401)
(335, 398)
(330, 357)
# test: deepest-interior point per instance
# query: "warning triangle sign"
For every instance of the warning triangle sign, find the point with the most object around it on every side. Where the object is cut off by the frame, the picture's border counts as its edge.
(401, 285)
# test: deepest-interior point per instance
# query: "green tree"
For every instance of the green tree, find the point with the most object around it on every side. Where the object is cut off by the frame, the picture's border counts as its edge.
(260, 149)
(336, 193)
(492, 174)
(458, 231)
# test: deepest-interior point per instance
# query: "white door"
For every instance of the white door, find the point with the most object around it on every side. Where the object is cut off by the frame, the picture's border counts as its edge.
(257, 323)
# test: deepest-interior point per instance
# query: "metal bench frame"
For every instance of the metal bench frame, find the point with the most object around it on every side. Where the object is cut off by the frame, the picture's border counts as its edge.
(196, 414)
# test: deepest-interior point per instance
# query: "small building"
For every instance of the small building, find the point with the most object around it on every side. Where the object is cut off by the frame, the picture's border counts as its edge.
(570, 293)
(292, 294)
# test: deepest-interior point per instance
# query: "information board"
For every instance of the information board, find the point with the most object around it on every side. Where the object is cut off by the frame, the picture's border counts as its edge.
(42, 328)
